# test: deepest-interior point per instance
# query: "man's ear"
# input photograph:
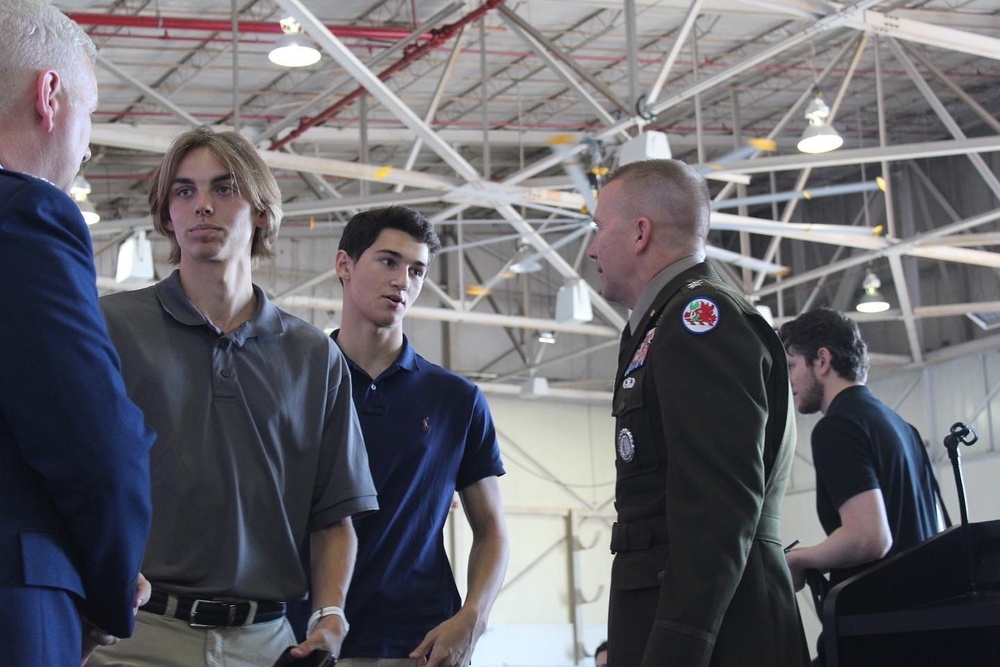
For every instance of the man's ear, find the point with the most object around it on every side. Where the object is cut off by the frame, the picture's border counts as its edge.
(342, 263)
(47, 88)
(643, 229)
(824, 360)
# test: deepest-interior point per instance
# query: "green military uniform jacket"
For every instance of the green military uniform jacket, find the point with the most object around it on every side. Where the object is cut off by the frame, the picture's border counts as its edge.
(705, 436)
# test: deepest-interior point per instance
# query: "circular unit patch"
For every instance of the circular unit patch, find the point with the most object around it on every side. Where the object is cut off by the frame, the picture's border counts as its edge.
(700, 316)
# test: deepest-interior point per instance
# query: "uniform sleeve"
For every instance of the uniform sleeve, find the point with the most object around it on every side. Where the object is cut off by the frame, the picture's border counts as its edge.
(712, 393)
(343, 485)
(65, 401)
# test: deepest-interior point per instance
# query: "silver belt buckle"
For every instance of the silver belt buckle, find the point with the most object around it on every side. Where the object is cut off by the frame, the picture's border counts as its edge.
(194, 611)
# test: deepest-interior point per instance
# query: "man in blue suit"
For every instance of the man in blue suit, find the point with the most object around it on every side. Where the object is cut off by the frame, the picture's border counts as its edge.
(74, 451)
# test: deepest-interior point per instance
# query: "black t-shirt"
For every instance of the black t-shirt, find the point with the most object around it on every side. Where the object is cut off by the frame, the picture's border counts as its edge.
(860, 445)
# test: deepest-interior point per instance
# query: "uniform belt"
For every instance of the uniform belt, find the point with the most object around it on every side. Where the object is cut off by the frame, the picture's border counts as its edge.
(208, 613)
(638, 535)
(641, 535)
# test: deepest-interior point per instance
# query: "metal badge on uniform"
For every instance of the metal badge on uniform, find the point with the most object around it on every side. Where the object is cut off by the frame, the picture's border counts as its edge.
(628, 383)
(700, 316)
(626, 445)
(640, 355)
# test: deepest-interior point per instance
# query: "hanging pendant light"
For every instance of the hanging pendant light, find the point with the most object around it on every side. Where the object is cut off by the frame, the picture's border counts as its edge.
(819, 136)
(292, 49)
(80, 192)
(872, 301)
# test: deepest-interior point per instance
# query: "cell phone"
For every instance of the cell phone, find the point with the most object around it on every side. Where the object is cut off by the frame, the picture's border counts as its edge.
(314, 659)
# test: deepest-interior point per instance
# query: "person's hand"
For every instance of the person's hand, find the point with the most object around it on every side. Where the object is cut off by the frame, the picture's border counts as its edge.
(93, 637)
(449, 644)
(797, 569)
(328, 635)
(143, 590)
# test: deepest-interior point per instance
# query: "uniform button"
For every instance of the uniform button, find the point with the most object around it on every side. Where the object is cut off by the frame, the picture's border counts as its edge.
(225, 372)
(373, 385)
(224, 344)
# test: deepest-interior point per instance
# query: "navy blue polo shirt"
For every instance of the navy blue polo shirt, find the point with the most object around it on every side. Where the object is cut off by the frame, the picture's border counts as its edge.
(429, 433)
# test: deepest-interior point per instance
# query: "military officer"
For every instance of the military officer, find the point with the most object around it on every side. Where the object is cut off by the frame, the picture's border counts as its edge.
(704, 440)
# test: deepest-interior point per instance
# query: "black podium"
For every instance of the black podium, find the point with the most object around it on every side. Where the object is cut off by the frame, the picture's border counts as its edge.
(937, 604)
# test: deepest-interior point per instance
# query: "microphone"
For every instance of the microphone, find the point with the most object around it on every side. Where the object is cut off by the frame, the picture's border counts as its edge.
(961, 431)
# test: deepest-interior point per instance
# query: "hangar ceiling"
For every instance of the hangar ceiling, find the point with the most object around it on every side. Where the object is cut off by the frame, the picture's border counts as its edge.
(469, 111)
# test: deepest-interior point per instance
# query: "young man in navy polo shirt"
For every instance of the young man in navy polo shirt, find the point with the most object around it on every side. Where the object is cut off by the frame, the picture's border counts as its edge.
(429, 433)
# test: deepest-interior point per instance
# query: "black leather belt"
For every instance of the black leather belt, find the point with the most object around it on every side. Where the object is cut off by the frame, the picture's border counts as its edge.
(207, 613)
(638, 535)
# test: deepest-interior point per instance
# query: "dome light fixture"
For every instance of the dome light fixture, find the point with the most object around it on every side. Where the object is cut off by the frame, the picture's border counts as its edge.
(292, 49)
(547, 337)
(525, 260)
(872, 300)
(90, 214)
(80, 191)
(819, 136)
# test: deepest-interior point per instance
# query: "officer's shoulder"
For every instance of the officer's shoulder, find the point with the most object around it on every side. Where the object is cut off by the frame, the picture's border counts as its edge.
(701, 305)
(699, 289)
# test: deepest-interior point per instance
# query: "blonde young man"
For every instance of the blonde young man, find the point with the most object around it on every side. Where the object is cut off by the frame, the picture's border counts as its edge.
(259, 446)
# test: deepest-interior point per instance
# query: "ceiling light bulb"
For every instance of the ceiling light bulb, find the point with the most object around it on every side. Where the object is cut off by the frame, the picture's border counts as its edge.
(872, 303)
(80, 188)
(292, 49)
(872, 300)
(90, 214)
(525, 260)
(819, 135)
(820, 139)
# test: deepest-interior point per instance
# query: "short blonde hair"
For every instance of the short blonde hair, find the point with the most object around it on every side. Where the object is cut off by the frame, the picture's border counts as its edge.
(251, 175)
(673, 188)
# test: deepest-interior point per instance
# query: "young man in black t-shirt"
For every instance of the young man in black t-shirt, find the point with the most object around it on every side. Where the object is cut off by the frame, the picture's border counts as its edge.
(874, 485)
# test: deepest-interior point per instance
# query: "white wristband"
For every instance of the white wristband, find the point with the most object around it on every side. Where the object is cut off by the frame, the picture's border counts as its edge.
(326, 611)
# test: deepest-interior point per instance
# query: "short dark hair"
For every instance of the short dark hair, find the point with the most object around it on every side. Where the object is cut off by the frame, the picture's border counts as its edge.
(832, 329)
(362, 229)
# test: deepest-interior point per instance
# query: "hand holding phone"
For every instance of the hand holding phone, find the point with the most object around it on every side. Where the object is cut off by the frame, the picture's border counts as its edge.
(318, 658)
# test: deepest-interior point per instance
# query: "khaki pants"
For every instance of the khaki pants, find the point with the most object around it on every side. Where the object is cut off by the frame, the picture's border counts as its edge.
(168, 642)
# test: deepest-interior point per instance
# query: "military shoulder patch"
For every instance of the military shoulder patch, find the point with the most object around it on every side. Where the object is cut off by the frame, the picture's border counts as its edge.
(700, 316)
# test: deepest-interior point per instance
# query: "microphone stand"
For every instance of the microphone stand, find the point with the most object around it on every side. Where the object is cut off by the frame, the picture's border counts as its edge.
(960, 434)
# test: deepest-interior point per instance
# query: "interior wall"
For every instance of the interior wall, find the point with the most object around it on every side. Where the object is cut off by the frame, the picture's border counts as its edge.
(560, 470)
